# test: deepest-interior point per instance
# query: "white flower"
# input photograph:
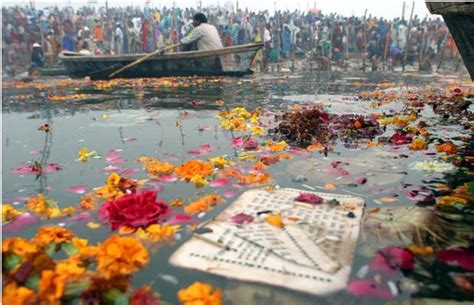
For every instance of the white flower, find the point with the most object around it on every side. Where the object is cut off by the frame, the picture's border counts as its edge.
(433, 166)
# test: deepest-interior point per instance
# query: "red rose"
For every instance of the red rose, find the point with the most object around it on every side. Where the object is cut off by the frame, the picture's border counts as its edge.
(134, 210)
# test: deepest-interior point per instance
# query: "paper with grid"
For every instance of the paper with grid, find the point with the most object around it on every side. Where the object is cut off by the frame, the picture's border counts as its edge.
(312, 253)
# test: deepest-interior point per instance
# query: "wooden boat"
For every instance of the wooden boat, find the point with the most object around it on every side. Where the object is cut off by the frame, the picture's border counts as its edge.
(459, 17)
(232, 61)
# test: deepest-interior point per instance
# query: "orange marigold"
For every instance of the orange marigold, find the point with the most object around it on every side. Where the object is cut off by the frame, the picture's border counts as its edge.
(52, 234)
(51, 287)
(19, 246)
(14, 295)
(254, 178)
(155, 167)
(42, 206)
(121, 256)
(87, 203)
(200, 294)
(203, 204)
(194, 167)
(418, 144)
(449, 148)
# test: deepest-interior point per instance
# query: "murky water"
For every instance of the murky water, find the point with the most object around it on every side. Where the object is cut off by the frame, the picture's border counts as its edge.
(139, 117)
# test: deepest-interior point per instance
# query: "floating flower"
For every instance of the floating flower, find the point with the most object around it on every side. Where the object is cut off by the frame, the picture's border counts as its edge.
(451, 200)
(400, 138)
(368, 288)
(19, 246)
(254, 178)
(144, 296)
(52, 234)
(9, 213)
(194, 167)
(200, 294)
(418, 144)
(203, 204)
(43, 207)
(115, 187)
(198, 181)
(433, 166)
(17, 295)
(309, 198)
(392, 259)
(84, 155)
(178, 202)
(53, 282)
(220, 162)
(134, 210)
(257, 130)
(120, 256)
(448, 147)
(87, 203)
(156, 232)
(276, 147)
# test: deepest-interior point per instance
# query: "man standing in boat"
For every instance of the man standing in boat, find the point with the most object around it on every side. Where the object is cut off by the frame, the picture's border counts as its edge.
(203, 37)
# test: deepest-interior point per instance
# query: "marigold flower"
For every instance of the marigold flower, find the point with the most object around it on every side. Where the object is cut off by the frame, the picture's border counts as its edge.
(144, 296)
(198, 181)
(42, 206)
(178, 202)
(418, 144)
(200, 294)
(275, 220)
(276, 147)
(155, 167)
(203, 204)
(52, 234)
(51, 287)
(450, 200)
(9, 212)
(420, 250)
(220, 162)
(194, 167)
(449, 148)
(156, 232)
(19, 246)
(257, 130)
(254, 178)
(15, 295)
(121, 256)
(84, 155)
(87, 203)
(115, 187)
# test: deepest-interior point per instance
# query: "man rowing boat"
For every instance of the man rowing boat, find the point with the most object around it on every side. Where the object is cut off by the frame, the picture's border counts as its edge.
(203, 37)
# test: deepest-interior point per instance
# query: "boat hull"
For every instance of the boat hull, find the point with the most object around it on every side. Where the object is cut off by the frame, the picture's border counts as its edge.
(459, 17)
(232, 61)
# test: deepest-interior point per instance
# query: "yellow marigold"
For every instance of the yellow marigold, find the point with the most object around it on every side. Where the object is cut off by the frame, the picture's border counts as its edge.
(84, 155)
(9, 212)
(317, 146)
(14, 295)
(275, 220)
(418, 144)
(111, 189)
(450, 200)
(70, 269)
(155, 167)
(257, 130)
(200, 294)
(203, 204)
(42, 206)
(19, 246)
(113, 179)
(156, 232)
(247, 156)
(276, 147)
(120, 256)
(52, 234)
(220, 162)
(199, 181)
(194, 167)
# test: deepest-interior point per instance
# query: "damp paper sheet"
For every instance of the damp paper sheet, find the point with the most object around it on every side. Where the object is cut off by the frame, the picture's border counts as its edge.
(312, 253)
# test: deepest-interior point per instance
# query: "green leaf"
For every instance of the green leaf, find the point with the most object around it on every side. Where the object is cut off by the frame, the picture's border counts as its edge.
(11, 261)
(470, 188)
(115, 297)
(70, 249)
(51, 248)
(33, 281)
(76, 288)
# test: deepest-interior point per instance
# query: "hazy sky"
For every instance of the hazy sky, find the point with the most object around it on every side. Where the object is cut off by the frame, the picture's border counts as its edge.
(385, 8)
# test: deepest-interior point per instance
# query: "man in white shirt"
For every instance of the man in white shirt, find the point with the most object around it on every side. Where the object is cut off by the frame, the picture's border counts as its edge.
(204, 35)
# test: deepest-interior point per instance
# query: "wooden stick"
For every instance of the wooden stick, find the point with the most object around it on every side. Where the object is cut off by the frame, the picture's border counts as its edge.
(408, 37)
(136, 62)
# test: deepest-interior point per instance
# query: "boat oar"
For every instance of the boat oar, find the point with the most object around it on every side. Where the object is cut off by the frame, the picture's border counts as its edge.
(136, 62)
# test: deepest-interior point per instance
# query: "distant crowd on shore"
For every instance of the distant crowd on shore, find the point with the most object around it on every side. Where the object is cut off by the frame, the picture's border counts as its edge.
(31, 34)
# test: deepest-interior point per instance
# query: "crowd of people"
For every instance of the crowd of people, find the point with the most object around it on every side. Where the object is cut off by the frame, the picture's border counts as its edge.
(37, 36)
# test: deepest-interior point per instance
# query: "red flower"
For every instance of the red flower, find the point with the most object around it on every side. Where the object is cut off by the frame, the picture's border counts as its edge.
(461, 257)
(309, 198)
(134, 210)
(369, 288)
(400, 138)
(144, 296)
(391, 259)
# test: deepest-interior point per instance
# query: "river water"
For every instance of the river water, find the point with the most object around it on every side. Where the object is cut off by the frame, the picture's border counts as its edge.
(138, 117)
